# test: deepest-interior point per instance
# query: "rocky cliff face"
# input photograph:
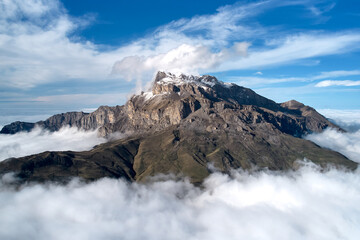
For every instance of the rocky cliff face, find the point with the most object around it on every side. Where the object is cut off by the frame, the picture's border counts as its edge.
(175, 99)
(183, 124)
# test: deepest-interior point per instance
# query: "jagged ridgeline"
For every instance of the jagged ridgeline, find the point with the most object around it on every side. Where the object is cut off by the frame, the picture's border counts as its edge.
(183, 124)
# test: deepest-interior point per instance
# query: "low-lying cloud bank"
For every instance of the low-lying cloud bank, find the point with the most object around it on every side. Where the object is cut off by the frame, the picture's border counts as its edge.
(305, 204)
(346, 143)
(40, 140)
(347, 119)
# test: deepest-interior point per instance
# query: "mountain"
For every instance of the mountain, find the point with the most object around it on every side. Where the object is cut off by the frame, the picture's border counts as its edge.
(173, 99)
(186, 125)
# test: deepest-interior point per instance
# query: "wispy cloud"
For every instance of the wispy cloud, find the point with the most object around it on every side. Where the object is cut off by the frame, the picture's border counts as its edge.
(294, 48)
(257, 81)
(335, 74)
(345, 83)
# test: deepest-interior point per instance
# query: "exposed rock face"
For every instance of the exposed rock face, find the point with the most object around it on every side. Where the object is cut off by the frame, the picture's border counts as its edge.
(53, 123)
(180, 126)
(102, 116)
(174, 99)
(17, 126)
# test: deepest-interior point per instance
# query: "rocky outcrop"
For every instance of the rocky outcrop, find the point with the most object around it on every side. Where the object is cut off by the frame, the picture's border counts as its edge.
(53, 123)
(17, 126)
(181, 125)
(87, 121)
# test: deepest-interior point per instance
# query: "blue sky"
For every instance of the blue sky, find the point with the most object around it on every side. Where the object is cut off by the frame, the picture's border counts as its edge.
(69, 55)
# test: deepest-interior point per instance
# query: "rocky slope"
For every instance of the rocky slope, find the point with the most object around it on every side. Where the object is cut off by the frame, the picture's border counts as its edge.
(174, 99)
(181, 126)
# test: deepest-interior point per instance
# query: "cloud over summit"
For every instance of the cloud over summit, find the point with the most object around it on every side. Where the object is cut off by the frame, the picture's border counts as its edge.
(183, 59)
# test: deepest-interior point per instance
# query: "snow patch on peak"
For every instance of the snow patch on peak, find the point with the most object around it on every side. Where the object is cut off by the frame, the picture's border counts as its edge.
(167, 77)
(147, 95)
(179, 79)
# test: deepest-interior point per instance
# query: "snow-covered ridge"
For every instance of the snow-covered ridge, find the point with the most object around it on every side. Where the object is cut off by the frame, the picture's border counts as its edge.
(166, 78)
(179, 79)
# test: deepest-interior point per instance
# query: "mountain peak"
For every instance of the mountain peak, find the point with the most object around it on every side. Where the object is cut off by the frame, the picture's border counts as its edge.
(179, 79)
(293, 104)
(166, 82)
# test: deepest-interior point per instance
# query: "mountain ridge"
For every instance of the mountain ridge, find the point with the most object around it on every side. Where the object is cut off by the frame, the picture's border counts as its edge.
(183, 124)
(207, 89)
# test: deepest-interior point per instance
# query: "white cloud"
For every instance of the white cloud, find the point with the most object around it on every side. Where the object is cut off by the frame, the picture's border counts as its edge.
(199, 59)
(37, 44)
(347, 115)
(347, 143)
(251, 81)
(222, 27)
(259, 81)
(347, 119)
(185, 58)
(336, 74)
(346, 83)
(39, 140)
(319, 11)
(264, 205)
(294, 48)
(39, 49)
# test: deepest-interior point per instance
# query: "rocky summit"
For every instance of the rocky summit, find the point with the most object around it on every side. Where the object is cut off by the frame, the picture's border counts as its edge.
(184, 125)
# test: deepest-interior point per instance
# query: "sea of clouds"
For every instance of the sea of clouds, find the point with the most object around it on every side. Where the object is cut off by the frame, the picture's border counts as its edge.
(40, 140)
(306, 204)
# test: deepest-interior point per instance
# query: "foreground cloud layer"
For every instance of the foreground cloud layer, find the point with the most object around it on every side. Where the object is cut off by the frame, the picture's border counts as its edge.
(299, 205)
(39, 140)
(306, 204)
